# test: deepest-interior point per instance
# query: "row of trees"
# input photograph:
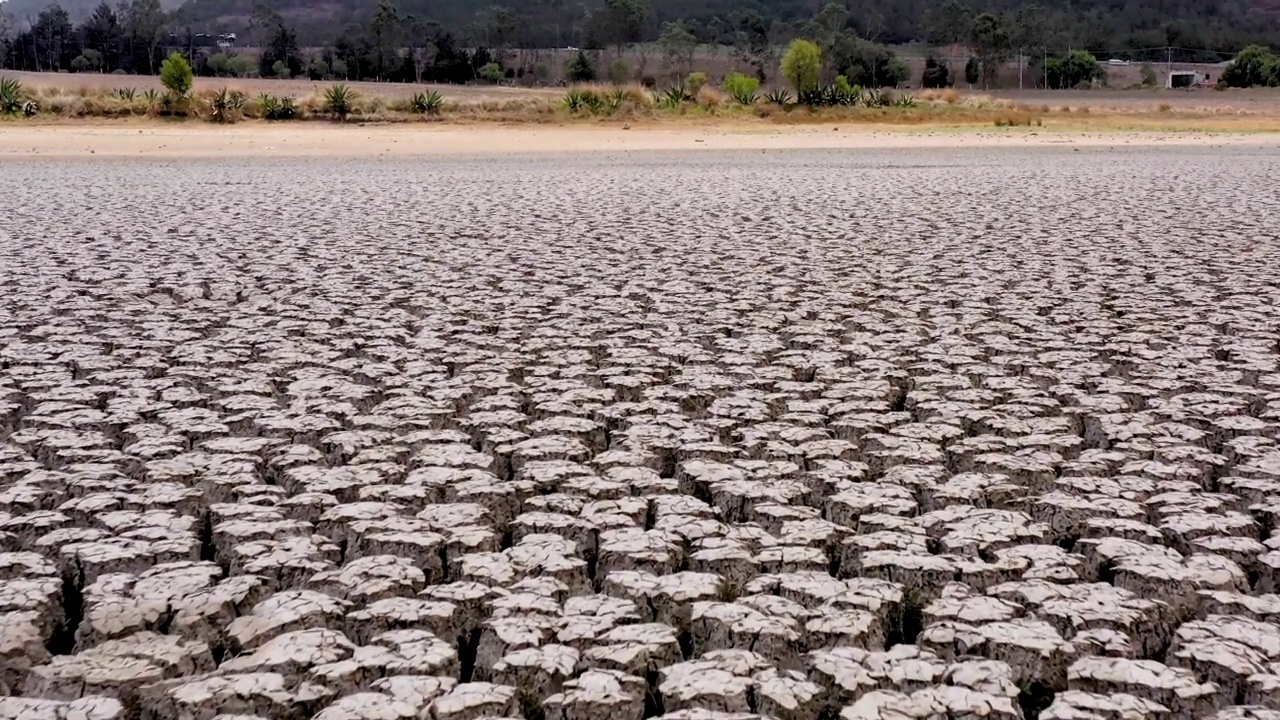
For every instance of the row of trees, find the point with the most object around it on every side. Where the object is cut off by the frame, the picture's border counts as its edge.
(394, 45)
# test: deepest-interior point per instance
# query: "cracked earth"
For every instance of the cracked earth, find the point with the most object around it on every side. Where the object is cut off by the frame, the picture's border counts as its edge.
(912, 434)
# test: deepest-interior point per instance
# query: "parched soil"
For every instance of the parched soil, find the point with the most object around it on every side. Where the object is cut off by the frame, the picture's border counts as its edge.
(861, 433)
(297, 88)
(1200, 101)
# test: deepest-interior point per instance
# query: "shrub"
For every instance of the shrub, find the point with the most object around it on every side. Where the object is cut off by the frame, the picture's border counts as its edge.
(338, 69)
(936, 74)
(317, 69)
(1254, 65)
(743, 88)
(619, 72)
(427, 103)
(10, 96)
(801, 65)
(338, 100)
(226, 105)
(281, 70)
(1149, 78)
(695, 82)
(972, 71)
(845, 94)
(491, 73)
(579, 69)
(242, 66)
(176, 75)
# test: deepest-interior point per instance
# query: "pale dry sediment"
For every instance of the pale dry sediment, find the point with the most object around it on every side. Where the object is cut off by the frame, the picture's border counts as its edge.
(872, 432)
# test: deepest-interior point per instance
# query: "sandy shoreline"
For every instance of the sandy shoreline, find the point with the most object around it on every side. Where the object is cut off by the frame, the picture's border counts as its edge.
(158, 140)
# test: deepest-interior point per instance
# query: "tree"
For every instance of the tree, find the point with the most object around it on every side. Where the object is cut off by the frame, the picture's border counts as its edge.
(6, 35)
(866, 63)
(281, 49)
(579, 69)
(621, 22)
(176, 75)
(1250, 67)
(103, 34)
(936, 74)
(989, 41)
(946, 25)
(52, 33)
(146, 24)
(802, 65)
(678, 46)
(384, 31)
(421, 42)
(972, 71)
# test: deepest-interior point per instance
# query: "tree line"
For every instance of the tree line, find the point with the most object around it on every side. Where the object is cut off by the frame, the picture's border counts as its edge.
(621, 40)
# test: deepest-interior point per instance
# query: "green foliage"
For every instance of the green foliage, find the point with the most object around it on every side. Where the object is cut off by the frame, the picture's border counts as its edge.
(339, 100)
(226, 105)
(1074, 70)
(1149, 77)
(427, 103)
(742, 88)
(1254, 65)
(801, 65)
(317, 69)
(866, 63)
(972, 71)
(219, 64)
(579, 69)
(695, 82)
(490, 73)
(904, 101)
(281, 70)
(990, 42)
(126, 93)
(619, 71)
(176, 75)
(936, 74)
(276, 108)
(10, 96)
(242, 66)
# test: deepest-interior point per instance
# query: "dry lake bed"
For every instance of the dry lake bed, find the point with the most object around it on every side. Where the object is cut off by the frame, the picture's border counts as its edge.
(880, 434)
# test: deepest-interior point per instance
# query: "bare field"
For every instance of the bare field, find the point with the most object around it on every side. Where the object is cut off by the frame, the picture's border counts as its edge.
(202, 140)
(299, 88)
(1206, 102)
(869, 433)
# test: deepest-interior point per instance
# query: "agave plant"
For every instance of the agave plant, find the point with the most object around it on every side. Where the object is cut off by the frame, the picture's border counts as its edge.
(339, 100)
(778, 97)
(10, 96)
(615, 100)
(30, 108)
(877, 99)
(226, 105)
(675, 96)
(588, 100)
(151, 96)
(276, 108)
(126, 93)
(905, 101)
(427, 103)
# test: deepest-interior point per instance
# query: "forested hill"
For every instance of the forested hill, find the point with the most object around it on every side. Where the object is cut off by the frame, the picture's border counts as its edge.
(1105, 26)
(1132, 29)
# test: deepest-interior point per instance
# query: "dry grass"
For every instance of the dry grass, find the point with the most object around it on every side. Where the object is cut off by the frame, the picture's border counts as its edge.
(97, 96)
